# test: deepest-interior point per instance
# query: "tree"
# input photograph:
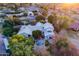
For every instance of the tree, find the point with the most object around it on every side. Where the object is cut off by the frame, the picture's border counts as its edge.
(21, 46)
(39, 18)
(62, 47)
(51, 19)
(37, 34)
(60, 22)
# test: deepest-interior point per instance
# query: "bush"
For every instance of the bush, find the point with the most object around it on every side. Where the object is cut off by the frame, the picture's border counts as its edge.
(62, 22)
(51, 19)
(39, 18)
(61, 47)
(37, 34)
(44, 13)
(21, 46)
(62, 43)
(7, 31)
(44, 8)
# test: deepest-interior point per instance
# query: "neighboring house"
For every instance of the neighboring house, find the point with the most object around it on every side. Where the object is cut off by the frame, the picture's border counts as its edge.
(1, 20)
(1, 23)
(7, 10)
(2, 14)
(30, 13)
(30, 17)
(21, 9)
(32, 8)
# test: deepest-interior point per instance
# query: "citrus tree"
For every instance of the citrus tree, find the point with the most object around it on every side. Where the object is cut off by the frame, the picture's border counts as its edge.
(21, 46)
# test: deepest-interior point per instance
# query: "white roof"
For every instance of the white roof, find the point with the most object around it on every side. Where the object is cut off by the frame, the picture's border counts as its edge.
(25, 29)
(40, 26)
(33, 27)
(48, 33)
(48, 26)
(30, 13)
(48, 29)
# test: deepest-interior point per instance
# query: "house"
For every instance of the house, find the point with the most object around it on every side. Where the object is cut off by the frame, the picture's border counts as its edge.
(30, 18)
(25, 30)
(48, 30)
(34, 9)
(1, 22)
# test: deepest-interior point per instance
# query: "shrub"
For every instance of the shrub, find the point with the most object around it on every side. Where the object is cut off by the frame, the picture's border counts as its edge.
(21, 46)
(7, 31)
(62, 22)
(39, 18)
(37, 34)
(52, 19)
(44, 13)
(62, 47)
